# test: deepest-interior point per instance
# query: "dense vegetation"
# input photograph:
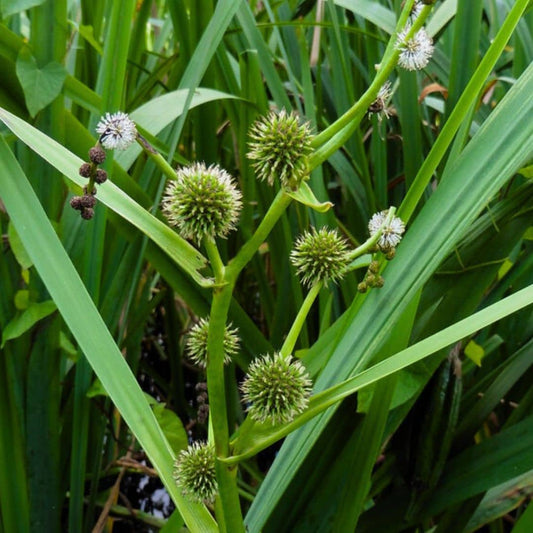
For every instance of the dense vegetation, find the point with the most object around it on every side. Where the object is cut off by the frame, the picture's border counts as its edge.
(420, 416)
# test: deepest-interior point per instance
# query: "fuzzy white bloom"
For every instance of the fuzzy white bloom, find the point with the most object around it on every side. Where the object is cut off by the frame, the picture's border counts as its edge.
(380, 104)
(117, 131)
(391, 234)
(416, 10)
(415, 52)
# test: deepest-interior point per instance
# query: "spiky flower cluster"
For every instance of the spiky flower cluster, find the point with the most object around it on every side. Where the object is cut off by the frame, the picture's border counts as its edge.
(276, 389)
(391, 234)
(279, 148)
(320, 256)
(117, 131)
(196, 346)
(194, 472)
(415, 52)
(202, 202)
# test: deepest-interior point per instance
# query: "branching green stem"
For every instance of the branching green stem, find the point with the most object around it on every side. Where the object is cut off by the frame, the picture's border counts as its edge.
(229, 514)
(334, 136)
(371, 242)
(215, 260)
(292, 337)
(245, 254)
(156, 157)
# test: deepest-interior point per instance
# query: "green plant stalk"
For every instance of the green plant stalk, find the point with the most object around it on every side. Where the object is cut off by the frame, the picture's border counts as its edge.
(214, 258)
(245, 254)
(299, 321)
(460, 111)
(226, 474)
(334, 136)
(370, 243)
(264, 437)
(156, 157)
(225, 277)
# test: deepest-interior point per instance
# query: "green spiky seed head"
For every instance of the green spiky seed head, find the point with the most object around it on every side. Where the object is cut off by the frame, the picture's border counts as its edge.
(279, 147)
(320, 256)
(196, 346)
(202, 202)
(194, 472)
(276, 389)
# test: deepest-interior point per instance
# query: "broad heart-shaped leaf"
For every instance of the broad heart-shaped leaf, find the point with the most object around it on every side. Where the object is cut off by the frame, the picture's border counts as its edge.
(22, 323)
(40, 86)
(10, 7)
(82, 318)
(185, 255)
(501, 146)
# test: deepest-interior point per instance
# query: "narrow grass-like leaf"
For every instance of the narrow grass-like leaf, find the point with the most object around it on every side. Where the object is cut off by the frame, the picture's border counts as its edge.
(67, 163)
(91, 333)
(446, 216)
(158, 113)
(375, 12)
(254, 437)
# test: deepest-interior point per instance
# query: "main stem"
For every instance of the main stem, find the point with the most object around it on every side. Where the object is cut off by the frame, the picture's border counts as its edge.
(226, 474)
(229, 515)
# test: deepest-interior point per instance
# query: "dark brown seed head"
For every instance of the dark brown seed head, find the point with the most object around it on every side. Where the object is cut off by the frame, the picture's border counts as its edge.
(75, 202)
(87, 213)
(85, 170)
(101, 176)
(97, 154)
(88, 201)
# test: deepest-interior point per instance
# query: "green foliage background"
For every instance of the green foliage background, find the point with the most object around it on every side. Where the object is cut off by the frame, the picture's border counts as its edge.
(440, 435)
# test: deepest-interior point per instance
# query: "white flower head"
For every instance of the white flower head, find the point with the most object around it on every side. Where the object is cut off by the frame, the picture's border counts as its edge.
(391, 234)
(416, 10)
(380, 104)
(415, 52)
(117, 131)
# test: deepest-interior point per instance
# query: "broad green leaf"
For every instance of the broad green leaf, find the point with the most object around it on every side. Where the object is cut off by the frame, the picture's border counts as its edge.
(475, 352)
(185, 255)
(81, 316)
(171, 426)
(305, 196)
(373, 11)
(27, 319)
(158, 113)
(40, 85)
(501, 500)
(10, 7)
(527, 172)
(477, 175)
(525, 523)
(17, 248)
